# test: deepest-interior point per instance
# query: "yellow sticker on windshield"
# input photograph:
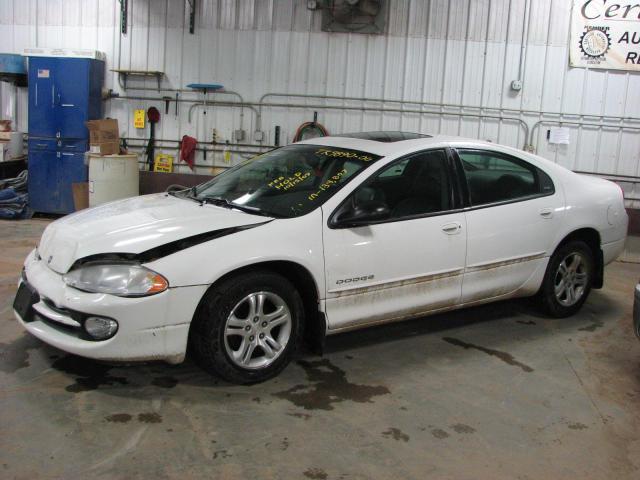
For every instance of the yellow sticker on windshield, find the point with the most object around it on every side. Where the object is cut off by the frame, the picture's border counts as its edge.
(327, 152)
(285, 183)
(331, 182)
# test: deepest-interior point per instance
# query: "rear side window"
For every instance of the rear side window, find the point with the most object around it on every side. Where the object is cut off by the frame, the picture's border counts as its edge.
(493, 177)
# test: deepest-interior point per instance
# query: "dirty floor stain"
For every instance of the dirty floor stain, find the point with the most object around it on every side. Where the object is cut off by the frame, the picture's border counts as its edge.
(593, 326)
(462, 428)
(118, 418)
(304, 416)
(526, 322)
(150, 417)
(439, 433)
(164, 382)
(396, 434)
(504, 356)
(315, 474)
(89, 375)
(577, 426)
(15, 356)
(221, 454)
(329, 386)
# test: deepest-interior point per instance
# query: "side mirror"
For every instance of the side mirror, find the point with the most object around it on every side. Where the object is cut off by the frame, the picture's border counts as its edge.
(361, 214)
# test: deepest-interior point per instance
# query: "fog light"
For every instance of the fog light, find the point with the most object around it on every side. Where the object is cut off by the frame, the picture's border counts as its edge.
(100, 328)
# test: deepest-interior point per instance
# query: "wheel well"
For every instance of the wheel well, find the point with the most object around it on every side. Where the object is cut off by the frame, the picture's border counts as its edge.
(315, 323)
(591, 237)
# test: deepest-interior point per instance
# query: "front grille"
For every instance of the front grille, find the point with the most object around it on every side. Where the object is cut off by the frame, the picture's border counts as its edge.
(61, 327)
(63, 311)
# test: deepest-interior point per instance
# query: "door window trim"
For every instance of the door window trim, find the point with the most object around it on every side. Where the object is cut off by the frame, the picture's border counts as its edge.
(455, 191)
(468, 206)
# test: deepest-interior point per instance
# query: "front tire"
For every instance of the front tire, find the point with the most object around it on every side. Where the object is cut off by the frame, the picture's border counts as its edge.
(248, 327)
(568, 279)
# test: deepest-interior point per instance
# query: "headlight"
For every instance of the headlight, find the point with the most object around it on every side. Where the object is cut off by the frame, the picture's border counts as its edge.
(122, 280)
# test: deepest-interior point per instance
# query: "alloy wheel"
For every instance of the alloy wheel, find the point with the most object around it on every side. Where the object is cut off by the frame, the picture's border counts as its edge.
(257, 330)
(571, 279)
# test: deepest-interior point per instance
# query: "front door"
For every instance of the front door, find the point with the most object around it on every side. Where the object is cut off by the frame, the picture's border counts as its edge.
(409, 262)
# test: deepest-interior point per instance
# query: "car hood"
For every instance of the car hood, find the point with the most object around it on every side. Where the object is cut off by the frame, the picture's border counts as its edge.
(133, 226)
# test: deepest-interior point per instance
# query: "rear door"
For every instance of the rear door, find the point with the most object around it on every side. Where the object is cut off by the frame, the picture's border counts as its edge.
(511, 223)
(406, 264)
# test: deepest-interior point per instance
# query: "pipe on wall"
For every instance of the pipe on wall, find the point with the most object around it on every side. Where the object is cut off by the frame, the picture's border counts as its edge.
(168, 140)
(256, 106)
(578, 124)
(438, 105)
(241, 104)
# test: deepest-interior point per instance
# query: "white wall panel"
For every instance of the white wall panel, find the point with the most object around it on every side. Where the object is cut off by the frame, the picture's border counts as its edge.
(460, 52)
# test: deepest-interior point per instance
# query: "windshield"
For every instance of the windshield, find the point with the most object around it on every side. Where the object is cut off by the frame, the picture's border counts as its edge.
(287, 182)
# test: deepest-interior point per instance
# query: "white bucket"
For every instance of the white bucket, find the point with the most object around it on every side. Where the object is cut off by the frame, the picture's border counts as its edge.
(112, 177)
(15, 144)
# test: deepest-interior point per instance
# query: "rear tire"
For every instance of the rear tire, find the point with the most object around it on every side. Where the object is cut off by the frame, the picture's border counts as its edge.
(568, 279)
(248, 327)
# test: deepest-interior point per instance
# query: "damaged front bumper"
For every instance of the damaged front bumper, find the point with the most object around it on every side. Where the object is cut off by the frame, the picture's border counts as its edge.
(149, 328)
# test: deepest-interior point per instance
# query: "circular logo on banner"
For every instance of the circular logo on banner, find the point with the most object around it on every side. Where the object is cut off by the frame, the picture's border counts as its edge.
(595, 43)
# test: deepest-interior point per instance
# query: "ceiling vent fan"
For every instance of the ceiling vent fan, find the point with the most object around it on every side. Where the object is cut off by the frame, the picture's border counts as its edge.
(353, 16)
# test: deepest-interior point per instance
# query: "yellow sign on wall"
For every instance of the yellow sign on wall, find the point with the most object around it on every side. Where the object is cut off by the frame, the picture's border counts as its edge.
(163, 163)
(138, 118)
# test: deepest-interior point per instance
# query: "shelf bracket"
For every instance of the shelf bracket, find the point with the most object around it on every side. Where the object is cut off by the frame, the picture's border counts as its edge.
(124, 10)
(192, 16)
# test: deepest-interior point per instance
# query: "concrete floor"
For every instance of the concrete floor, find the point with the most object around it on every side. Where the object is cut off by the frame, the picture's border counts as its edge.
(491, 392)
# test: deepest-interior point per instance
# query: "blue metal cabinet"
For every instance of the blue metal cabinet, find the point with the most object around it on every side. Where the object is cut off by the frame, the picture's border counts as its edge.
(52, 171)
(43, 188)
(63, 94)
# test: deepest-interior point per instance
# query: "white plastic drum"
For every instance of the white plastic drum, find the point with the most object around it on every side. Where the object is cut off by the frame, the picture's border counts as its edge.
(112, 177)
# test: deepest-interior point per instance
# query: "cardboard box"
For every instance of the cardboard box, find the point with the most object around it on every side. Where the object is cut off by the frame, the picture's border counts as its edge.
(80, 195)
(104, 134)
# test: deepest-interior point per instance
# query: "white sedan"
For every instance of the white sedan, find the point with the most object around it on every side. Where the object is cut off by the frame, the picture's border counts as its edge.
(323, 236)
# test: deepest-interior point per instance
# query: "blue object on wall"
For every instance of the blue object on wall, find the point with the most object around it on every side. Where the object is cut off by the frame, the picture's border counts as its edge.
(12, 63)
(206, 87)
(63, 94)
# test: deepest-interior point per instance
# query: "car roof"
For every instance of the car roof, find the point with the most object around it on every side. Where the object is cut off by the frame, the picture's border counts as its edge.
(389, 142)
(402, 143)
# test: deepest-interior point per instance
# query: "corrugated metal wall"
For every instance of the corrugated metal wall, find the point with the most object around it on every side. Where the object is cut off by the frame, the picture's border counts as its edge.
(464, 53)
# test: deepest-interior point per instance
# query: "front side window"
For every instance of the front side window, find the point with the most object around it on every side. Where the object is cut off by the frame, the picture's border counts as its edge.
(415, 185)
(287, 182)
(493, 177)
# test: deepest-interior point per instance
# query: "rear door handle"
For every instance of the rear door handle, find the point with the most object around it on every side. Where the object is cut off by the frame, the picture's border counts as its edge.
(546, 212)
(451, 228)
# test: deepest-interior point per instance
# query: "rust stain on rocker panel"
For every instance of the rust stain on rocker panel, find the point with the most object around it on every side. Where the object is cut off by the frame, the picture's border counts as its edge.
(397, 283)
(504, 263)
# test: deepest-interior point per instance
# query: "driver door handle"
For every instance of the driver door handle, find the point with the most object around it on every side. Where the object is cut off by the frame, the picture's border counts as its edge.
(452, 228)
(546, 212)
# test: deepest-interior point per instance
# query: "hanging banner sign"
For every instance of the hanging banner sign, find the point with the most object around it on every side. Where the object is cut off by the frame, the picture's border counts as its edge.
(605, 34)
